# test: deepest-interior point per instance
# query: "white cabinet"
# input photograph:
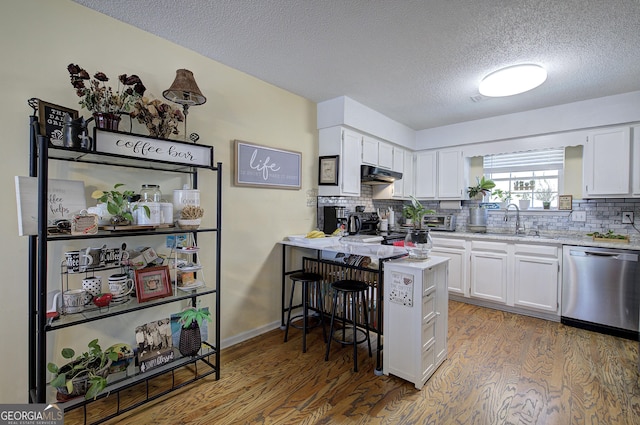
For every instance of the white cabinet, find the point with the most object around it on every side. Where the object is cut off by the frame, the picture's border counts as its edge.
(402, 188)
(607, 163)
(426, 174)
(489, 270)
(347, 144)
(398, 165)
(635, 161)
(456, 251)
(440, 174)
(536, 277)
(415, 318)
(408, 176)
(377, 153)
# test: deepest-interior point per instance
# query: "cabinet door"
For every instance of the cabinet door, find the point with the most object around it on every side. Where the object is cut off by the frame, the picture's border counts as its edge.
(536, 283)
(398, 165)
(635, 161)
(442, 310)
(607, 162)
(457, 280)
(350, 164)
(450, 184)
(425, 172)
(408, 177)
(369, 151)
(385, 155)
(489, 276)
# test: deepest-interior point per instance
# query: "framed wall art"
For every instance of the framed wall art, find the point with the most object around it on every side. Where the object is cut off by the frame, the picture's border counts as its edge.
(51, 119)
(565, 202)
(152, 283)
(262, 166)
(328, 170)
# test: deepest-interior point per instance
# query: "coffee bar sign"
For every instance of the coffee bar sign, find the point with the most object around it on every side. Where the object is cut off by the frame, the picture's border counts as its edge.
(137, 146)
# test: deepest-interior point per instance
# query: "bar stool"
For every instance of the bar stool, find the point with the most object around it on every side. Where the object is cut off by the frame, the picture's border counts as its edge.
(305, 278)
(353, 289)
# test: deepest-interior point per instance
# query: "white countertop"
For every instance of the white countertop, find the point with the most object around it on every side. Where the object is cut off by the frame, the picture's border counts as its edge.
(417, 264)
(373, 250)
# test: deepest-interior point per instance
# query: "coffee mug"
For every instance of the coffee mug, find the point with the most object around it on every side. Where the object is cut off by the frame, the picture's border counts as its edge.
(93, 285)
(74, 300)
(74, 265)
(97, 256)
(120, 284)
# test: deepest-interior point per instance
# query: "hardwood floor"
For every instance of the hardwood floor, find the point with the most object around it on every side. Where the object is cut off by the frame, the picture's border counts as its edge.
(502, 368)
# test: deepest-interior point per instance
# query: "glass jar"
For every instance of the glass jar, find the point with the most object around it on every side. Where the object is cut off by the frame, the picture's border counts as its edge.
(418, 243)
(150, 193)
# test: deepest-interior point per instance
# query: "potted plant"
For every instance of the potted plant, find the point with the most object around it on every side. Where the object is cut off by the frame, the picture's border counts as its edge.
(502, 196)
(545, 194)
(85, 375)
(524, 201)
(190, 217)
(482, 188)
(160, 118)
(414, 212)
(418, 241)
(191, 319)
(101, 100)
(118, 204)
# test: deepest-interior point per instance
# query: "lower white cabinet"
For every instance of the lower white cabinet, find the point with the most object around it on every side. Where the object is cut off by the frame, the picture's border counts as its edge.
(415, 318)
(455, 250)
(536, 277)
(489, 270)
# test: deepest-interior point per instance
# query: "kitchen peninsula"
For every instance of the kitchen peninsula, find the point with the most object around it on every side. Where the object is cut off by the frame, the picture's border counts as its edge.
(338, 260)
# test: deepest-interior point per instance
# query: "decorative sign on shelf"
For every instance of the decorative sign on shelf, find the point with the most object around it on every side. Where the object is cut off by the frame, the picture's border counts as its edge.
(51, 119)
(261, 166)
(143, 147)
(64, 199)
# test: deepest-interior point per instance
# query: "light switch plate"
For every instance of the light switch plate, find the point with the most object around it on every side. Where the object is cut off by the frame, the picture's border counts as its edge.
(627, 217)
(579, 216)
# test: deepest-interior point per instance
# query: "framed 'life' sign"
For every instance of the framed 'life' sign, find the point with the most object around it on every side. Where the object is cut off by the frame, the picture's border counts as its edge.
(262, 166)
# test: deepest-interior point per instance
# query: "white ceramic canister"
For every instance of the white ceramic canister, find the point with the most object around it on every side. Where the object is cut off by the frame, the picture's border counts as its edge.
(183, 197)
(155, 213)
(167, 212)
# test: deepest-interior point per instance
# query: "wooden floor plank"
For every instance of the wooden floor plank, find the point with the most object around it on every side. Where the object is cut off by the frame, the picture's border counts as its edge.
(501, 369)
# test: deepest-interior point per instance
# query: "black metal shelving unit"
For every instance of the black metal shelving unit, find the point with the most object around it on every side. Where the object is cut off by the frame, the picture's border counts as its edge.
(41, 152)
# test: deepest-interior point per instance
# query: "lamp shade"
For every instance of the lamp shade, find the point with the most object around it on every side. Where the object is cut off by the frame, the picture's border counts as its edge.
(184, 90)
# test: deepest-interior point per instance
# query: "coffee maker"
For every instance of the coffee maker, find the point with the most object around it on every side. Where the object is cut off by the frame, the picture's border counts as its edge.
(334, 217)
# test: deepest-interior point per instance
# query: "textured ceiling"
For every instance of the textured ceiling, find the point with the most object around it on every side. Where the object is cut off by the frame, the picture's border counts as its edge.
(418, 62)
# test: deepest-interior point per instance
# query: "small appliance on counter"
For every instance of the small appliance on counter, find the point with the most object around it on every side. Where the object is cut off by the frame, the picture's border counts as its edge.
(444, 223)
(334, 217)
(363, 223)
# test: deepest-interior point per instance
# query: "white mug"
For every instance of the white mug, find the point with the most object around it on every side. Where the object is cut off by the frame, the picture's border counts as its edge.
(93, 285)
(120, 285)
(384, 225)
(74, 300)
(77, 261)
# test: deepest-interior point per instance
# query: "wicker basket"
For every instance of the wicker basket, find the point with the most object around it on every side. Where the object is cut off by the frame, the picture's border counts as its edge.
(189, 224)
(190, 340)
(81, 384)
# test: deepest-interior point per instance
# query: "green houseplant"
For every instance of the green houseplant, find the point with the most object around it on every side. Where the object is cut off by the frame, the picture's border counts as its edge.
(546, 195)
(191, 320)
(414, 212)
(482, 188)
(86, 374)
(502, 196)
(118, 204)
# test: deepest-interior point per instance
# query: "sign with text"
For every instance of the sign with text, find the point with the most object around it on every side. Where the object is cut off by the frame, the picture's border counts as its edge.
(142, 147)
(261, 166)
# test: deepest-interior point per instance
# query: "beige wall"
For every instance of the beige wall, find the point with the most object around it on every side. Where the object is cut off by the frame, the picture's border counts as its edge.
(40, 38)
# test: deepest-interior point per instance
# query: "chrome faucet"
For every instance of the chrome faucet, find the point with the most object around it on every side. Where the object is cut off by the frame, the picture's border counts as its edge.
(506, 217)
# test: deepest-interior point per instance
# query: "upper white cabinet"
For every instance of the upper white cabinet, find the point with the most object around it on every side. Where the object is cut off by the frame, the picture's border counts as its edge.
(347, 144)
(403, 162)
(440, 174)
(635, 169)
(376, 152)
(607, 163)
(398, 165)
(408, 175)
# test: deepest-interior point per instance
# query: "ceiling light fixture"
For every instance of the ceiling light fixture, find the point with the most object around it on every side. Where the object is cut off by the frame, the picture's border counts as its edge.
(512, 80)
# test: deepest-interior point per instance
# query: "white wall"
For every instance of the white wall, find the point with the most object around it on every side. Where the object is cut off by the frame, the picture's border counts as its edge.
(39, 40)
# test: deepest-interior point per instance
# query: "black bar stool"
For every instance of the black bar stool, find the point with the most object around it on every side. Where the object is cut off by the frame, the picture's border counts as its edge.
(305, 278)
(354, 289)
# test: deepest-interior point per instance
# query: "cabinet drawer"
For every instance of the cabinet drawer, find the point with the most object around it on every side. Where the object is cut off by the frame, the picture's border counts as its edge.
(538, 250)
(428, 334)
(449, 243)
(428, 307)
(489, 246)
(428, 362)
(428, 281)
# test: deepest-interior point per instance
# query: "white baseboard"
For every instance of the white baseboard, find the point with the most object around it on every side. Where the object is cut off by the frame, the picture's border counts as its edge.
(236, 339)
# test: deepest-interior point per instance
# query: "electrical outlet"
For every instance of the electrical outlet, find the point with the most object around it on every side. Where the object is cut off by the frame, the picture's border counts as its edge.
(627, 217)
(579, 216)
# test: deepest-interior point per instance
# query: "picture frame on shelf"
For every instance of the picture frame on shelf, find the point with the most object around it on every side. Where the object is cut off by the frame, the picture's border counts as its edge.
(51, 120)
(152, 283)
(328, 170)
(565, 202)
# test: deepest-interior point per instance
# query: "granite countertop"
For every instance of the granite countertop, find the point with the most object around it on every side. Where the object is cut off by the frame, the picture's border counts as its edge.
(576, 239)
(373, 250)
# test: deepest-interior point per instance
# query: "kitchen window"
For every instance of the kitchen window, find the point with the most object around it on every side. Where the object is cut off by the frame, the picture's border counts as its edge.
(533, 175)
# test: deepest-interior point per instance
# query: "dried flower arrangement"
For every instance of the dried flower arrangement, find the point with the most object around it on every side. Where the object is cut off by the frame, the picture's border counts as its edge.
(191, 212)
(100, 98)
(160, 118)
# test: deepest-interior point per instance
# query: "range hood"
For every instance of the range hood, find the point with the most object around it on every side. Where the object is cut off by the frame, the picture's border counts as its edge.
(375, 175)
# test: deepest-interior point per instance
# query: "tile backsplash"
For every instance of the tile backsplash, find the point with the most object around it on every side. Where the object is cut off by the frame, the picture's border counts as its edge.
(601, 214)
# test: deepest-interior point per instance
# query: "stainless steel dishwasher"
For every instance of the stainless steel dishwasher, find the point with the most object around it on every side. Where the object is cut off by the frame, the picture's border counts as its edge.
(601, 290)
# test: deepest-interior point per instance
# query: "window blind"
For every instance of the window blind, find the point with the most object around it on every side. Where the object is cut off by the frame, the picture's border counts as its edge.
(548, 159)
